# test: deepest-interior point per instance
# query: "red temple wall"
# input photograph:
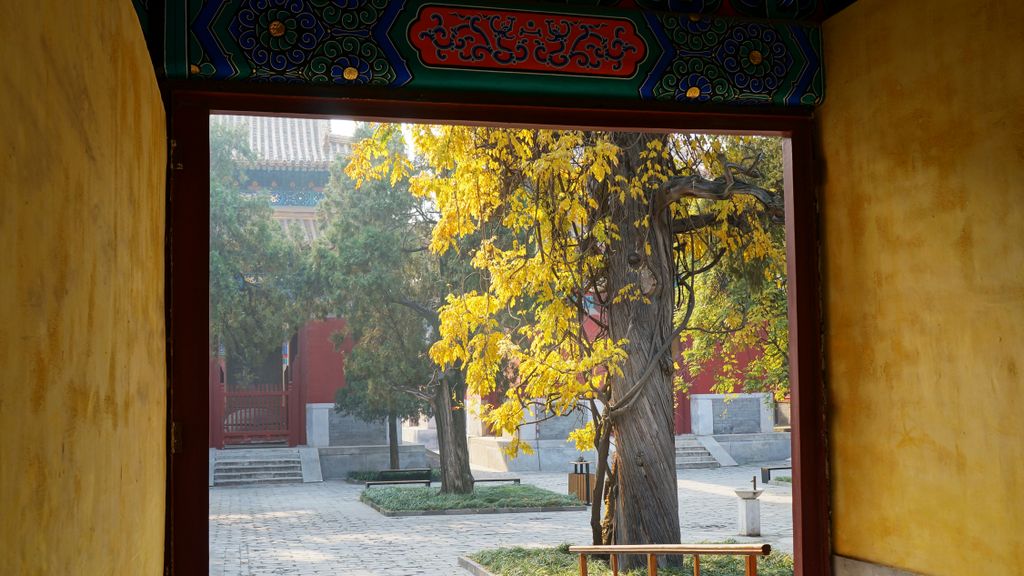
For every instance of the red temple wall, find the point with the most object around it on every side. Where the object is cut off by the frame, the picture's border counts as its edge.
(320, 368)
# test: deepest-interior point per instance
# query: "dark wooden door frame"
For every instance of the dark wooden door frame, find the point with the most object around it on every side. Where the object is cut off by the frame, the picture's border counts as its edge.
(188, 285)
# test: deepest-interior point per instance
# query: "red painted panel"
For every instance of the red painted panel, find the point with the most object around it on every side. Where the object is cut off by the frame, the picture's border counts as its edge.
(321, 368)
(514, 41)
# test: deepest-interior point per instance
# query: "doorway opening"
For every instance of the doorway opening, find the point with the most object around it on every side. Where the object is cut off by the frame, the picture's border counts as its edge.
(245, 419)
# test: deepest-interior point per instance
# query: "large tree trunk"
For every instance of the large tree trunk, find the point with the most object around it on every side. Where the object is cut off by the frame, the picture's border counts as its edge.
(646, 510)
(393, 440)
(449, 414)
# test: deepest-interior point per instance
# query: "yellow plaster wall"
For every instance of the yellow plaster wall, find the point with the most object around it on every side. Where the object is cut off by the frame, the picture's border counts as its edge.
(82, 385)
(922, 134)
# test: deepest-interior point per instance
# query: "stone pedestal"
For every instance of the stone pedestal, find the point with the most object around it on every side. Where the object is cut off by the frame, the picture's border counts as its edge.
(325, 427)
(749, 512)
(732, 413)
(317, 424)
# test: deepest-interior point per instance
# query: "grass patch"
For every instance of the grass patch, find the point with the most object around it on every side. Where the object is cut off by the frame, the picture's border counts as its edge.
(785, 479)
(400, 499)
(559, 562)
(374, 475)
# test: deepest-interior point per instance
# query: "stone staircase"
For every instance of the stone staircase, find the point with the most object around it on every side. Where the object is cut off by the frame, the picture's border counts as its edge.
(690, 453)
(257, 466)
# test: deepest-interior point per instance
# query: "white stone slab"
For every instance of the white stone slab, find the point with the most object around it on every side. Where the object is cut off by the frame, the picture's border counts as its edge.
(702, 411)
(318, 431)
(702, 417)
(213, 461)
(310, 458)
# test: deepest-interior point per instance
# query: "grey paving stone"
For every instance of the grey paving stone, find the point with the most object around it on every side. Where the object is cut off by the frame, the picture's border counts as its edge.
(322, 528)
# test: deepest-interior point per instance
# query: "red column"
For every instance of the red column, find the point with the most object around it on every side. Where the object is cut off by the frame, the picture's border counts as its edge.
(301, 408)
(294, 416)
(217, 392)
(221, 408)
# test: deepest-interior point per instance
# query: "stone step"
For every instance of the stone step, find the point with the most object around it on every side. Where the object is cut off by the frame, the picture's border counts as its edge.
(256, 473)
(693, 465)
(258, 454)
(220, 476)
(690, 447)
(704, 456)
(697, 448)
(690, 453)
(250, 472)
(257, 466)
(295, 470)
(219, 464)
(257, 463)
(267, 445)
(251, 481)
(284, 458)
(261, 470)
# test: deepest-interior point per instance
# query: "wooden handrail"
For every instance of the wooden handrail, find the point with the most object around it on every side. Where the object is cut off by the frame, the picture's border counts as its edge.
(677, 549)
(751, 551)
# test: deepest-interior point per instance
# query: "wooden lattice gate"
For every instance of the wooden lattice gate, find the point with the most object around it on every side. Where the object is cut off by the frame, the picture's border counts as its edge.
(260, 414)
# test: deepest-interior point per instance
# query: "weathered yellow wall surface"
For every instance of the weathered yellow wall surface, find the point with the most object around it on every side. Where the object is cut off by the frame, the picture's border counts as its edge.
(922, 134)
(82, 386)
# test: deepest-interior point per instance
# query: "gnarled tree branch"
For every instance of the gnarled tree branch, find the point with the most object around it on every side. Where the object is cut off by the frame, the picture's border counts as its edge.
(695, 186)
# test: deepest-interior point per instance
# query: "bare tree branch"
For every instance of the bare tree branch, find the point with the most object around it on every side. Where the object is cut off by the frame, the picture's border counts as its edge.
(692, 223)
(428, 314)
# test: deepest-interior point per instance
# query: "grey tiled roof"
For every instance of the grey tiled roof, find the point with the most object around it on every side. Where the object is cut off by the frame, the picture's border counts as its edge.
(289, 143)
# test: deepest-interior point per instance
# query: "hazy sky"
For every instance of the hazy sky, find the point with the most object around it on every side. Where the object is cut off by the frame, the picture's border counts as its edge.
(340, 126)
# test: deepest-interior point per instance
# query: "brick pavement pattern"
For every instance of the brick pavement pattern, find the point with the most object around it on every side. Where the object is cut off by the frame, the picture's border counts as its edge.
(323, 529)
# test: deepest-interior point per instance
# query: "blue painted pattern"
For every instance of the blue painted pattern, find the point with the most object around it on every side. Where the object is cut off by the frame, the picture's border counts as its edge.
(735, 61)
(305, 41)
(723, 57)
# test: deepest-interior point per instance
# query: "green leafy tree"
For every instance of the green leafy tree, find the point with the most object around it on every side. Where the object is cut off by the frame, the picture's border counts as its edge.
(385, 373)
(255, 268)
(372, 267)
(741, 303)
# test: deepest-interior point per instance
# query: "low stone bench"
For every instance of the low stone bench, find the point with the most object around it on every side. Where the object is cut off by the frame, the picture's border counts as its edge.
(512, 480)
(402, 477)
(766, 472)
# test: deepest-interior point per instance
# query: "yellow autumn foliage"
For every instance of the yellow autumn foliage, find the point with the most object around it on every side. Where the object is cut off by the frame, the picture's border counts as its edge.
(527, 197)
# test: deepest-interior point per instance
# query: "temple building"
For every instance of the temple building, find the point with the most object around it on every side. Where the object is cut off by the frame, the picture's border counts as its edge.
(293, 403)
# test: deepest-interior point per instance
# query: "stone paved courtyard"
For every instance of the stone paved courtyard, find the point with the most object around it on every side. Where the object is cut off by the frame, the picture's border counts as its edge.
(322, 528)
